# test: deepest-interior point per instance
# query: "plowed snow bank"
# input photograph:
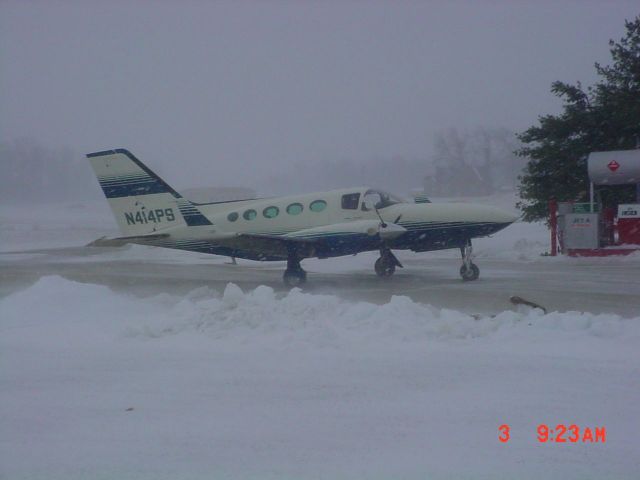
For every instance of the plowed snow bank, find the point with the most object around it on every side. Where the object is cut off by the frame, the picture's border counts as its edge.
(297, 317)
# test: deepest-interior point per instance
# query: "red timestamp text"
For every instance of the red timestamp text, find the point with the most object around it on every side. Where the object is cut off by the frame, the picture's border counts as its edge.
(560, 433)
(572, 434)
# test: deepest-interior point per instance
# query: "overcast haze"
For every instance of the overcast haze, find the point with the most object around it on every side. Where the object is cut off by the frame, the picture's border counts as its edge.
(210, 92)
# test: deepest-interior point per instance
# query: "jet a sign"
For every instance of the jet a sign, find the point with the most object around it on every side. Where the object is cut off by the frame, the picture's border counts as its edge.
(613, 165)
(581, 222)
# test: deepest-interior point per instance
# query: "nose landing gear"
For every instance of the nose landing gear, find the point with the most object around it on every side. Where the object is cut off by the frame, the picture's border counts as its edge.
(386, 265)
(469, 271)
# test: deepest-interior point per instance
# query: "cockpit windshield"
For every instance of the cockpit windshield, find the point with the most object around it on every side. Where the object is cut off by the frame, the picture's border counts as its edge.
(379, 199)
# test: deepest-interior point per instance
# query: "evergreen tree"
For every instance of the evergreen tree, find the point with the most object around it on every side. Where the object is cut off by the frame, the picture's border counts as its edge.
(605, 116)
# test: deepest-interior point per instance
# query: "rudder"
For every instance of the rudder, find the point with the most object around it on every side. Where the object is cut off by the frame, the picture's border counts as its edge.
(141, 201)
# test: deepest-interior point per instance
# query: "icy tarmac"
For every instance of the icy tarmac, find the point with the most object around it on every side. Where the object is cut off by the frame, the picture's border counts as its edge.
(559, 284)
(150, 363)
(510, 264)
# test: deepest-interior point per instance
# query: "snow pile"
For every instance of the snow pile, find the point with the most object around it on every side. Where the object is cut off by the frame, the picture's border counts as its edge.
(330, 320)
(520, 241)
(233, 384)
(261, 316)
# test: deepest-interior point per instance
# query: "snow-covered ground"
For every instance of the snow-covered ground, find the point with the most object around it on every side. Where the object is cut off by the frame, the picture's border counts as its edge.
(198, 379)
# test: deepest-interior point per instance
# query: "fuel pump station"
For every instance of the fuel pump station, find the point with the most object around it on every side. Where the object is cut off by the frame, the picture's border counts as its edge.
(588, 229)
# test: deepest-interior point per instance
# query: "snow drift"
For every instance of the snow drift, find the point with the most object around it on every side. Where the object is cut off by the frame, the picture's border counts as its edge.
(233, 384)
(261, 316)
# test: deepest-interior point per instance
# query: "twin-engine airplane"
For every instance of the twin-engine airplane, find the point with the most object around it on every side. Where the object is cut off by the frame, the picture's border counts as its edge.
(326, 224)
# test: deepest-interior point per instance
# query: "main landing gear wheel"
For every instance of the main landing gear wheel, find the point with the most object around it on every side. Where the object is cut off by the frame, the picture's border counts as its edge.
(294, 278)
(294, 275)
(469, 270)
(384, 267)
(469, 273)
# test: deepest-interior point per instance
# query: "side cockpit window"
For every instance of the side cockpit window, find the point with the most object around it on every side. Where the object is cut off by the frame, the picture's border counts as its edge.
(350, 201)
(377, 199)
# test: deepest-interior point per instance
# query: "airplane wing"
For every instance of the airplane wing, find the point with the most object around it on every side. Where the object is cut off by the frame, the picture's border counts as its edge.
(257, 245)
(317, 241)
(264, 245)
(311, 242)
(121, 241)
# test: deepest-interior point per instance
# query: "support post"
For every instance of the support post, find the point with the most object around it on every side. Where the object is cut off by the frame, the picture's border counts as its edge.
(553, 223)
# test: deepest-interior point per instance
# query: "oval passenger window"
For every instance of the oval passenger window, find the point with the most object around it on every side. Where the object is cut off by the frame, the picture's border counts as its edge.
(294, 209)
(317, 205)
(271, 212)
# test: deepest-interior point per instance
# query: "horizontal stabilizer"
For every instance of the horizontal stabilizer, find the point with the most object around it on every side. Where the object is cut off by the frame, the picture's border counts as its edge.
(120, 241)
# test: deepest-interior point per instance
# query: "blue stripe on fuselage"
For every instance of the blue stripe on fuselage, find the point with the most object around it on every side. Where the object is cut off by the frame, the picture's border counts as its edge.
(339, 243)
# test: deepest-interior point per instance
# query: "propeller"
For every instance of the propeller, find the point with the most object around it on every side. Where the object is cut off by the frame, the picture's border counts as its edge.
(382, 223)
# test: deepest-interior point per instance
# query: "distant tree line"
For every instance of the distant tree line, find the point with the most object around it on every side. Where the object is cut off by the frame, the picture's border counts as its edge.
(32, 173)
(463, 163)
(473, 162)
(396, 173)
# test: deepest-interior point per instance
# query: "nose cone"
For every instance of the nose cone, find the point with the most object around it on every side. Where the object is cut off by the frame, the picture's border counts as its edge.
(490, 219)
(495, 219)
(486, 218)
(496, 215)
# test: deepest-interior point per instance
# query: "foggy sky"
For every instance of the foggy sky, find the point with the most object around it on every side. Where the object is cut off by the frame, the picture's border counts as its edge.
(212, 93)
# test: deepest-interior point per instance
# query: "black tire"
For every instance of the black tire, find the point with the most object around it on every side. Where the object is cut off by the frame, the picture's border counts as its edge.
(469, 274)
(294, 278)
(384, 267)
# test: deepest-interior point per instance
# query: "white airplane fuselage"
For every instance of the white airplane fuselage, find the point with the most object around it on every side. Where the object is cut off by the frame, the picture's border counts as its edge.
(338, 231)
(322, 224)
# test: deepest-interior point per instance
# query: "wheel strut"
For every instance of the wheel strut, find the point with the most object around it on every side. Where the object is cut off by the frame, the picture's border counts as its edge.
(469, 270)
(467, 252)
(294, 275)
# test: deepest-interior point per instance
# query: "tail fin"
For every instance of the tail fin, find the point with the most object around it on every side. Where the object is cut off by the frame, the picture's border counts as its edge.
(141, 201)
